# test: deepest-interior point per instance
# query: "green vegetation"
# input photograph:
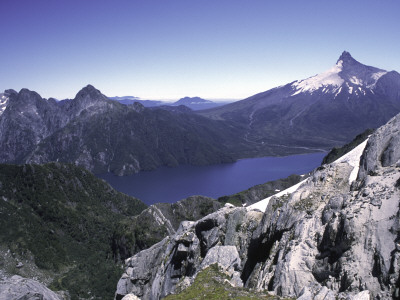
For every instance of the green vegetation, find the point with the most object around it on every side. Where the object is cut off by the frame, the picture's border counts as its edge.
(279, 202)
(143, 231)
(67, 218)
(305, 204)
(123, 141)
(210, 284)
(335, 153)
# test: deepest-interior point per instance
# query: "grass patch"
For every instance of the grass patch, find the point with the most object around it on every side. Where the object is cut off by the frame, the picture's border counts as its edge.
(210, 284)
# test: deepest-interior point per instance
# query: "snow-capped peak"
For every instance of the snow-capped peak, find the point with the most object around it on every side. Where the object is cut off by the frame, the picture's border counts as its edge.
(329, 78)
(347, 72)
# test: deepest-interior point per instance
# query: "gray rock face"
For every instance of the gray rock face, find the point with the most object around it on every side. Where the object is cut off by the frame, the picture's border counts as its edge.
(382, 149)
(330, 239)
(173, 263)
(21, 288)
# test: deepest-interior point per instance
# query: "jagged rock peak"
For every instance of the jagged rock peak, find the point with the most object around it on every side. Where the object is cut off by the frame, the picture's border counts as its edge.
(90, 91)
(24, 97)
(346, 57)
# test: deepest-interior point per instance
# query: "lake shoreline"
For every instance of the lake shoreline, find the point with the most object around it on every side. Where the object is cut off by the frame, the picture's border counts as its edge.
(171, 184)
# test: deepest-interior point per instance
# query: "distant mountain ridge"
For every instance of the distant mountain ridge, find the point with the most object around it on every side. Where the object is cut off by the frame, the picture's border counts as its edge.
(194, 103)
(127, 100)
(324, 110)
(197, 103)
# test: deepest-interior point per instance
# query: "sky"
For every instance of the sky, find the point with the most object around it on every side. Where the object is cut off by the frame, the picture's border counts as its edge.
(169, 49)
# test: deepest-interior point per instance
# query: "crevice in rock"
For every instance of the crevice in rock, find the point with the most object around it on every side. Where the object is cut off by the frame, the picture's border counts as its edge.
(334, 242)
(345, 282)
(271, 284)
(201, 228)
(322, 271)
(259, 251)
(387, 153)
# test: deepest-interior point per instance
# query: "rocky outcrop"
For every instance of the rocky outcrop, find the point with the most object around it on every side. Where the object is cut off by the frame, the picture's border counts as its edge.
(21, 288)
(158, 221)
(219, 238)
(334, 237)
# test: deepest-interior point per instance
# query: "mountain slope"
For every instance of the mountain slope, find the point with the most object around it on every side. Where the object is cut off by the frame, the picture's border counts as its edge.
(104, 135)
(57, 223)
(322, 111)
(125, 140)
(334, 236)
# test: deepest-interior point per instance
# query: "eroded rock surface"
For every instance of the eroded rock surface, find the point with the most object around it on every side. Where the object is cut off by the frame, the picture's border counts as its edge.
(332, 238)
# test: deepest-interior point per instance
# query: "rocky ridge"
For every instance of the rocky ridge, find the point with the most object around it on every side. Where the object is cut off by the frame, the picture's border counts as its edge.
(105, 136)
(336, 236)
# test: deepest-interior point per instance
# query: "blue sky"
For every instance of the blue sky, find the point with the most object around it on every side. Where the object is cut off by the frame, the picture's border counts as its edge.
(168, 49)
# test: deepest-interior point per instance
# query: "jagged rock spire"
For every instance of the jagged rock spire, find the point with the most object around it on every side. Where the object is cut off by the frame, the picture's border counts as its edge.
(346, 58)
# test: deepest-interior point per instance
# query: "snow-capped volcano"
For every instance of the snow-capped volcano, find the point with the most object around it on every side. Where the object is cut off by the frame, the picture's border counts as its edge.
(347, 75)
(322, 111)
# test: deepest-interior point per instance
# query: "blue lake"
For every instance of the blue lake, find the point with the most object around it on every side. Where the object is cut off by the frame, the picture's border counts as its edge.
(173, 184)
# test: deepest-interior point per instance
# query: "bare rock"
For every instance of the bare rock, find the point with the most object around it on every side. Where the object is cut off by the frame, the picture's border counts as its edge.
(21, 288)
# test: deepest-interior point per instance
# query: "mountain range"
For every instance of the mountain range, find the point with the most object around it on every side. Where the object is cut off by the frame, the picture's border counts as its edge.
(103, 135)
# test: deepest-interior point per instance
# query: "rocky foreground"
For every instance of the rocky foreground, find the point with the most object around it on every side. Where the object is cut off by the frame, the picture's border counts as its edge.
(337, 236)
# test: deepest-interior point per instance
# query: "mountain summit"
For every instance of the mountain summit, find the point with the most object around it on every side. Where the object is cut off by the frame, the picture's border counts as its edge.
(322, 111)
(347, 75)
(346, 57)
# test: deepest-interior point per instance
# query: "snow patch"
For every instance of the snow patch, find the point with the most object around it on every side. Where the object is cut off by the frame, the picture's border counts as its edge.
(353, 159)
(325, 79)
(356, 81)
(375, 77)
(3, 103)
(338, 92)
(262, 204)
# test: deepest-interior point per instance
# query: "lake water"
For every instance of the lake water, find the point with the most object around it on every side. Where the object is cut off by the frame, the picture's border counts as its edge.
(173, 184)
